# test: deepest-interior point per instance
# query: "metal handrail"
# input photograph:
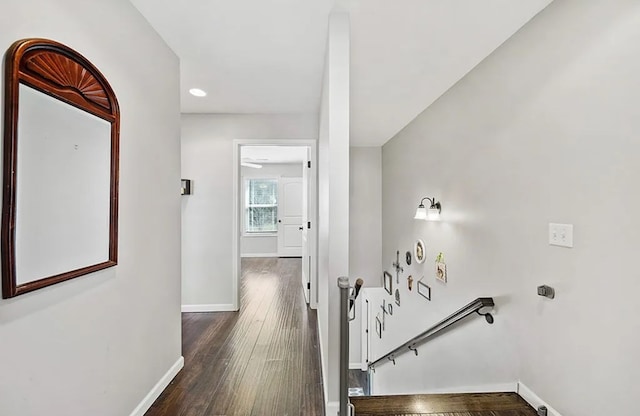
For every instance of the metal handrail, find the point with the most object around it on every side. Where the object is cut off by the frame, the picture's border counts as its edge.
(411, 345)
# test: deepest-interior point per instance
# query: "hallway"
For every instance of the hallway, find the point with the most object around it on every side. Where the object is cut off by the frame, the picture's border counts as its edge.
(262, 361)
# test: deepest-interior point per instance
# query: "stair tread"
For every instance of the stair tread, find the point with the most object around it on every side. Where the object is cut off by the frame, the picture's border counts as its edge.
(479, 413)
(463, 404)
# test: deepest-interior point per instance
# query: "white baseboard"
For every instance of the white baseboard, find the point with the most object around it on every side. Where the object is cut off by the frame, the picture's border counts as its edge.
(484, 388)
(332, 409)
(209, 308)
(259, 255)
(155, 392)
(530, 397)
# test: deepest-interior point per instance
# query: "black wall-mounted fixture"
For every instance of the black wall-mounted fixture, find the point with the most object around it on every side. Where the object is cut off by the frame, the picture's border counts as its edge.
(186, 187)
(546, 291)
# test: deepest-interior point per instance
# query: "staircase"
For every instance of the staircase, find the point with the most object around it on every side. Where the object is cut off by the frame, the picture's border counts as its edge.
(470, 404)
(354, 382)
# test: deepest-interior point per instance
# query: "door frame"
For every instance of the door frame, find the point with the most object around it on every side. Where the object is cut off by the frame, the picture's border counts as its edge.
(312, 211)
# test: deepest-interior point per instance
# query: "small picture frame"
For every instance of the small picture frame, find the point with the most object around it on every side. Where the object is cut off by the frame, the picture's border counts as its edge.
(389, 309)
(397, 296)
(388, 282)
(419, 251)
(424, 290)
(378, 327)
(441, 272)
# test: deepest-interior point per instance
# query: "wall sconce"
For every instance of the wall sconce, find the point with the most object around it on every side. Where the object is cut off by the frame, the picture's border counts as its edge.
(430, 214)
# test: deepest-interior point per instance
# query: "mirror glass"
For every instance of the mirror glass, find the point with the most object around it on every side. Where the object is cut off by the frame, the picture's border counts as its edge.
(62, 187)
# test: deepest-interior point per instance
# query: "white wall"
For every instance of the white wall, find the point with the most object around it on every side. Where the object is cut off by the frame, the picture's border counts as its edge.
(265, 245)
(323, 229)
(544, 130)
(365, 230)
(207, 215)
(96, 345)
(333, 205)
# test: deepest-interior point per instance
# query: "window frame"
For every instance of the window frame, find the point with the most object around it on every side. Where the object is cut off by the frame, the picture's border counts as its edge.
(245, 207)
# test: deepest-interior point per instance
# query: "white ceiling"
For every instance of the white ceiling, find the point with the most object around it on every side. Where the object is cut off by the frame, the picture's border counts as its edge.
(407, 53)
(251, 56)
(267, 56)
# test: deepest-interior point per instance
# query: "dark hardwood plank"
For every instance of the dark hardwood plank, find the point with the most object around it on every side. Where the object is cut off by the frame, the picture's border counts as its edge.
(485, 404)
(480, 413)
(262, 360)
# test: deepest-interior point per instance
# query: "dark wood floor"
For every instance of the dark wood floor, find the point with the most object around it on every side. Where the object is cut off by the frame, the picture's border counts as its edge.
(261, 361)
(489, 404)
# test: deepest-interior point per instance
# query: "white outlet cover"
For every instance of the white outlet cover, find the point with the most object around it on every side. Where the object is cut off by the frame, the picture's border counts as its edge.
(561, 235)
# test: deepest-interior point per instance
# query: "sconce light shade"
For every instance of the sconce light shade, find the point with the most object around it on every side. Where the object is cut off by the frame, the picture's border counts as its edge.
(421, 213)
(430, 214)
(434, 213)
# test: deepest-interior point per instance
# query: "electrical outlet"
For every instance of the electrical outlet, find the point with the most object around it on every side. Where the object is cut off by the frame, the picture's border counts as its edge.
(561, 235)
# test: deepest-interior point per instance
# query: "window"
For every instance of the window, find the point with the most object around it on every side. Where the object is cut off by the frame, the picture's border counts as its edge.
(261, 205)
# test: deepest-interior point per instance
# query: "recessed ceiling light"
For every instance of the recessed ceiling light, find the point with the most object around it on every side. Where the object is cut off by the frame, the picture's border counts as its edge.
(197, 92)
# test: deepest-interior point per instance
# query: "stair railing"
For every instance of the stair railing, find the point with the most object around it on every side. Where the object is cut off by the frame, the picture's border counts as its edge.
(412, 345)
(348, 296)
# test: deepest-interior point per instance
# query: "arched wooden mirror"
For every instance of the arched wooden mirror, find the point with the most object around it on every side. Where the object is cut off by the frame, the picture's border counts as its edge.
(60, 184)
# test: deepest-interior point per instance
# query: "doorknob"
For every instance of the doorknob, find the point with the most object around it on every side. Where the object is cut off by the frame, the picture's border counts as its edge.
(279, 220)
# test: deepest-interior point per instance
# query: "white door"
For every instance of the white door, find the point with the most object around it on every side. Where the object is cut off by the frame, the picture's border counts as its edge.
(306, 251)
(290, 217)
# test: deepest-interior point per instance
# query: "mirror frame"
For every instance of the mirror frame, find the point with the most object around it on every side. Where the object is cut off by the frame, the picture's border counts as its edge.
(62, 73)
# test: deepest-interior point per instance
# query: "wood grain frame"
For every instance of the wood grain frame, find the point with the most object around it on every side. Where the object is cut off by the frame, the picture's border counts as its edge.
(62, 73)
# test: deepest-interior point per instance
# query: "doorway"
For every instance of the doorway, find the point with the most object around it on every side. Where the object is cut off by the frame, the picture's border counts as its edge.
(275, 206)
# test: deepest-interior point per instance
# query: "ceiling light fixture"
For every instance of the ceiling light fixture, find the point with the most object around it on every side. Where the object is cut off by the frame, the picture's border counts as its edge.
(197, 92)
(431, 214)
(251, 165)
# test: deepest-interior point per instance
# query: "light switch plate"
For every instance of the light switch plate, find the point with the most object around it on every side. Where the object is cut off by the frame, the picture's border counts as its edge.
(561, 235)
